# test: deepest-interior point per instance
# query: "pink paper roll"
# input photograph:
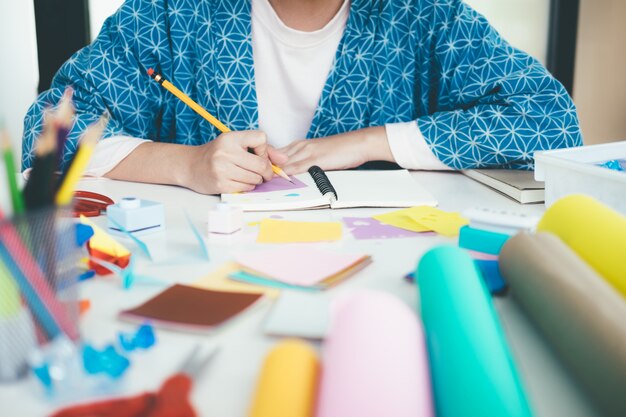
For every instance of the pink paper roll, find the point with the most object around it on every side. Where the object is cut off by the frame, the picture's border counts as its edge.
(374, 361)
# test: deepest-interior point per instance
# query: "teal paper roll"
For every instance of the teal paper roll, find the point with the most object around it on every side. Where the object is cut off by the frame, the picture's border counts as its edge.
(472, 368)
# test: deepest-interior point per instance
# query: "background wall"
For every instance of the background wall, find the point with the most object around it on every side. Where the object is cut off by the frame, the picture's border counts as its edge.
(99, 10)
(524, 23)
(600, 77)
(19, 71)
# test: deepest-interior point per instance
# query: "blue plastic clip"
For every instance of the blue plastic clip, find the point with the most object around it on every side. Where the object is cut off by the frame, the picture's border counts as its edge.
(143, 338)
(108, 361)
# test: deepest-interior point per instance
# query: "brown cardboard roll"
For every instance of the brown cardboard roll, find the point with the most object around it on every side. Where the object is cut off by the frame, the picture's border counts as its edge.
(580, 315)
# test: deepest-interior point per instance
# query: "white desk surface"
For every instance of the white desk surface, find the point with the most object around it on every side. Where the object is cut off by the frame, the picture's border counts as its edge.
(226, 389)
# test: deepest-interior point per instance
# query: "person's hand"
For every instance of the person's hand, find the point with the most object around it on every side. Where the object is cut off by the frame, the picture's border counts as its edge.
(225, 165)
(342, 151)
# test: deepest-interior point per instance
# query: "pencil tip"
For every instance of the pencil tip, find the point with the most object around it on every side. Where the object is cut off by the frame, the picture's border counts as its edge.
(150, 72)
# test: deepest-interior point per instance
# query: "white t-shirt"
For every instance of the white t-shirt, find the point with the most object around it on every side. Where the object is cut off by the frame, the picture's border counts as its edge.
(291, 68)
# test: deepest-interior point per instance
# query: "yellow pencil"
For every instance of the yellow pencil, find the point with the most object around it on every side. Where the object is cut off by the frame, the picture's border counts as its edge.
(202, 112)
(83, 155)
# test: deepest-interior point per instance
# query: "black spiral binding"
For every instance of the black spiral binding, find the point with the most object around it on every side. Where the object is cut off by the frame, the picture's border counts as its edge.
(322, 181)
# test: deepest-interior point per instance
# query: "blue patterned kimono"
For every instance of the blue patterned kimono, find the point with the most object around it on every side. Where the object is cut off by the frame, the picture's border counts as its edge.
(478, 101)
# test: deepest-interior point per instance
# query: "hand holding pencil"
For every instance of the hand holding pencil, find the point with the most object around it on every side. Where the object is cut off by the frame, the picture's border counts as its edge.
(202, 112)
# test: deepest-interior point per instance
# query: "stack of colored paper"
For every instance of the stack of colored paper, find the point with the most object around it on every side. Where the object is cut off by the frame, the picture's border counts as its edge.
(298, 267)
(424, 219)
(181, 307)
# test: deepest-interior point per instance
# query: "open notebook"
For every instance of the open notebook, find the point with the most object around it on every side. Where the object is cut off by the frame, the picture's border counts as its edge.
(335, 189)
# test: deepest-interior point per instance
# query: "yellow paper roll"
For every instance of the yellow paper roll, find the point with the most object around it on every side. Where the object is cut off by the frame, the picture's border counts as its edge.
(594, 231)
(287, 386)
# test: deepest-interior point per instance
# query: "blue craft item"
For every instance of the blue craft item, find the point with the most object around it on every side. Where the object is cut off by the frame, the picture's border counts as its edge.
(143, 338)
(198, 235)
(472, 368)
(136, 216)
(482, 240)
(107, 361)
(142, 245)
(42, 373)
(615, 165)
(83, 234)
(87, 275)
(253, 279)
(490, 271)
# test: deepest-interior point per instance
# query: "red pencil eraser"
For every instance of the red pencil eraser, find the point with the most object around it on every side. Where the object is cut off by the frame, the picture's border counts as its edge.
(150, 72)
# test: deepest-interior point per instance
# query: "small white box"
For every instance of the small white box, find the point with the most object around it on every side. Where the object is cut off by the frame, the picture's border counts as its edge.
(225, 219)
(136, 216)
(576, 171)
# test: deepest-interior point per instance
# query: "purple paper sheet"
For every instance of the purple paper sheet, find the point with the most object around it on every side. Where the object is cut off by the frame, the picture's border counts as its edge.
(368, 228)
(279, 184)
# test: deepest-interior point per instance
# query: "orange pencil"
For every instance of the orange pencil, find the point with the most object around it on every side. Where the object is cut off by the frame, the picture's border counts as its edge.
(202, 112)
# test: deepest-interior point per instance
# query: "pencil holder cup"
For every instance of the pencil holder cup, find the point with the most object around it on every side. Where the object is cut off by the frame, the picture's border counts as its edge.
(39, 268)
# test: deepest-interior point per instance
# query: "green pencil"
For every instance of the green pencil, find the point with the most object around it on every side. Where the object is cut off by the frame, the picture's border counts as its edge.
(9, 162)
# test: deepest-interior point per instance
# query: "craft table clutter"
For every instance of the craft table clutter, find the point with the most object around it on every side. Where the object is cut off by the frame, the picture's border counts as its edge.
(240, 375)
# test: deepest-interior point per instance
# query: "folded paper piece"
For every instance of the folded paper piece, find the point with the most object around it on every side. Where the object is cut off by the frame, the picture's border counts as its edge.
(442, 222)
(218, 281)
(402, 219)
(285, 231)
(287, 385)
(594, 231)
(299, 314)
(424, 219)
(580, 314)
(181, 307)
(103, 247)
(363, 228)
(301, 266)
(375, 361)
(471, 364)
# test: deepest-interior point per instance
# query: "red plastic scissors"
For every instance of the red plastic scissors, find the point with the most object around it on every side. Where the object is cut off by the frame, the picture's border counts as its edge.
(171, 400)
(90, 204)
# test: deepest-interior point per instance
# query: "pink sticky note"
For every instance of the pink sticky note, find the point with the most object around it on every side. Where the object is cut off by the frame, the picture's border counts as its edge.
(279, 184)
(375, 360)
(297, 265)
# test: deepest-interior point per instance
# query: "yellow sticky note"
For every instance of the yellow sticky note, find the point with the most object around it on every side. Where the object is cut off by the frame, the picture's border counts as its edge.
(101, 241)
(218, 281)
(287, 385)
(442, 222)
(402, 219)
(284, 231)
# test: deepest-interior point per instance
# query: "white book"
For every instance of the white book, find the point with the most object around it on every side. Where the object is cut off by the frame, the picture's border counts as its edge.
(351, 189)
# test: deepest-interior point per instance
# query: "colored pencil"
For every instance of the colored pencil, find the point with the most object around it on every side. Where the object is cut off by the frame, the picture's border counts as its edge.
(50, 312)
(39, 189)
(9, 161)
(202, 112)
(63, 121)
(83, 155)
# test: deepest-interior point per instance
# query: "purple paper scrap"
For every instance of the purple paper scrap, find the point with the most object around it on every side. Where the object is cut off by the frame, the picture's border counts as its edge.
(279, 184)
(368, 228)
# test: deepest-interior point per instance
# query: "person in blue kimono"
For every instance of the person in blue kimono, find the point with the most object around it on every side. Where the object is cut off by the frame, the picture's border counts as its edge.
(427, 84)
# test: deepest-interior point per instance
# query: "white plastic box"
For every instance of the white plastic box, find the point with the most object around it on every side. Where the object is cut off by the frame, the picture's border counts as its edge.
(576, 171)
